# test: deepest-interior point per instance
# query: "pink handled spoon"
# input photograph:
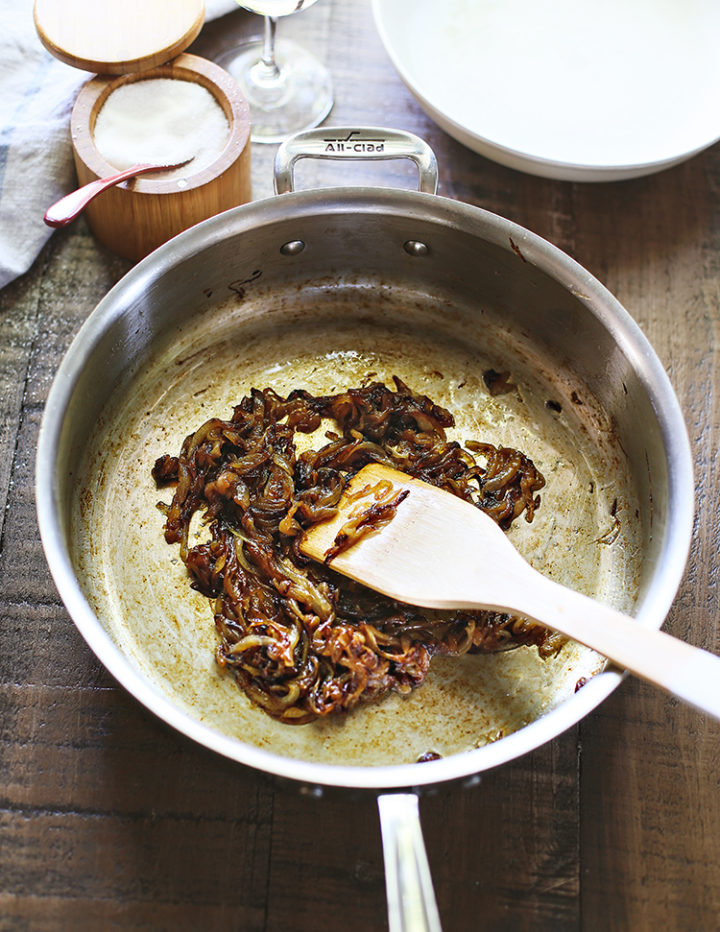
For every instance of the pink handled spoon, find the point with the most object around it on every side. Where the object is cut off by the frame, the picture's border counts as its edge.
(64, 211)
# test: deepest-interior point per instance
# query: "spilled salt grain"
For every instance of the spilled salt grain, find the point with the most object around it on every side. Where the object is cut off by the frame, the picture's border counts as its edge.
(161, 121)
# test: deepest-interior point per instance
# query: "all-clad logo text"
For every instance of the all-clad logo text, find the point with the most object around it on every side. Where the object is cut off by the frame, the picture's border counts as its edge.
(351, 145)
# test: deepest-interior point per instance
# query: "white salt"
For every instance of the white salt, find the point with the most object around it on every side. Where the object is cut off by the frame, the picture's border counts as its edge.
(161, 121)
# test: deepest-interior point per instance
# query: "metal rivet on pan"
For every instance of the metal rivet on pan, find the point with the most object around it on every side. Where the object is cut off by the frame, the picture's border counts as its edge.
(293, 248)
(414, 247)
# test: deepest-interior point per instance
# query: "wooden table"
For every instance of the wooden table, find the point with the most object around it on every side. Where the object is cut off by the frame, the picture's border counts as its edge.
(109, 820)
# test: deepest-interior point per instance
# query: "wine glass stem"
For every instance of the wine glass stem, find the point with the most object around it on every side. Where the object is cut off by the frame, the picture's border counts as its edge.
(268, 53)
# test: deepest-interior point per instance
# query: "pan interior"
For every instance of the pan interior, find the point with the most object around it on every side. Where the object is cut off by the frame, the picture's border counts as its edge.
(324, 339)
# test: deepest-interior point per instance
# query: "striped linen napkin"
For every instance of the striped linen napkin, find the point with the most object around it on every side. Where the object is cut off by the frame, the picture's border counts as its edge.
(37, 93)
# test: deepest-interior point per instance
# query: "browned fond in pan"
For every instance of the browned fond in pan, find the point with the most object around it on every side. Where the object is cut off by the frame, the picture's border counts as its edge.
(325, 338)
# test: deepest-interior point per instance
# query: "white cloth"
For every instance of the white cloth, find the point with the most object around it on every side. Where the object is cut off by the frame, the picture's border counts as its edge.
(36, 166)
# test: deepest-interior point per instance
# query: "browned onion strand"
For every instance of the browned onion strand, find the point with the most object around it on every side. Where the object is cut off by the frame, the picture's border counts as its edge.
(302, 641)
(373, 518)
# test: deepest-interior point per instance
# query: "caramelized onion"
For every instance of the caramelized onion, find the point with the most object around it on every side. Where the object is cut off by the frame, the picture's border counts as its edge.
(300, 640)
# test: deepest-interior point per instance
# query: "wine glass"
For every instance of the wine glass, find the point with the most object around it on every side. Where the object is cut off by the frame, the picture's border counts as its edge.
(287, 88)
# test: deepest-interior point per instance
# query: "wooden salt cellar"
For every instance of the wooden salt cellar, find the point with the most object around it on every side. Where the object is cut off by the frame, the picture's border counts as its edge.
(136, 217)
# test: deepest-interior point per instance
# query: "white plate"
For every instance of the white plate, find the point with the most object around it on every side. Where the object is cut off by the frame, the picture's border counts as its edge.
(581, 90)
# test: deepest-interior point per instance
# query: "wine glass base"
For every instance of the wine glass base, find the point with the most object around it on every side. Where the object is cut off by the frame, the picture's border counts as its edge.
(299, 98)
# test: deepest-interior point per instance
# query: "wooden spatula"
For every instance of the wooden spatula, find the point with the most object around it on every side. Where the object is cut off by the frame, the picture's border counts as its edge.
(438, 551)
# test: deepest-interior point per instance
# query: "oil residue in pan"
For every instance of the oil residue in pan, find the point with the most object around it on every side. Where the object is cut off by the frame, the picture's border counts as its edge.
(139, 587)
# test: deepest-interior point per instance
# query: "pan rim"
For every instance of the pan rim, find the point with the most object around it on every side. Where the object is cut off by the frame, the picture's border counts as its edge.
(549, 259)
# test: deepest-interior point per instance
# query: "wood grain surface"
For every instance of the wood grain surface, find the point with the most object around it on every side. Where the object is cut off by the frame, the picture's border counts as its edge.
(110, 820)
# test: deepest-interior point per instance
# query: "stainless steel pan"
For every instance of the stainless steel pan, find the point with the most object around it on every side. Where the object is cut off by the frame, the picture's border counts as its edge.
(319, 290)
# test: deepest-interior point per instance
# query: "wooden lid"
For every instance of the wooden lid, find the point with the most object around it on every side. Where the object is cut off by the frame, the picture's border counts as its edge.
(117, 36)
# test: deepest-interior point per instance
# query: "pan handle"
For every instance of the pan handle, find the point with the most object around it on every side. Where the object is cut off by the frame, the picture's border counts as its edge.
(410, 895)
(355, 142)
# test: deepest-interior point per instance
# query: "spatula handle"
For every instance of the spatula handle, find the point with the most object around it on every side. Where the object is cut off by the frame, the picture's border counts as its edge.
(680, 668)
